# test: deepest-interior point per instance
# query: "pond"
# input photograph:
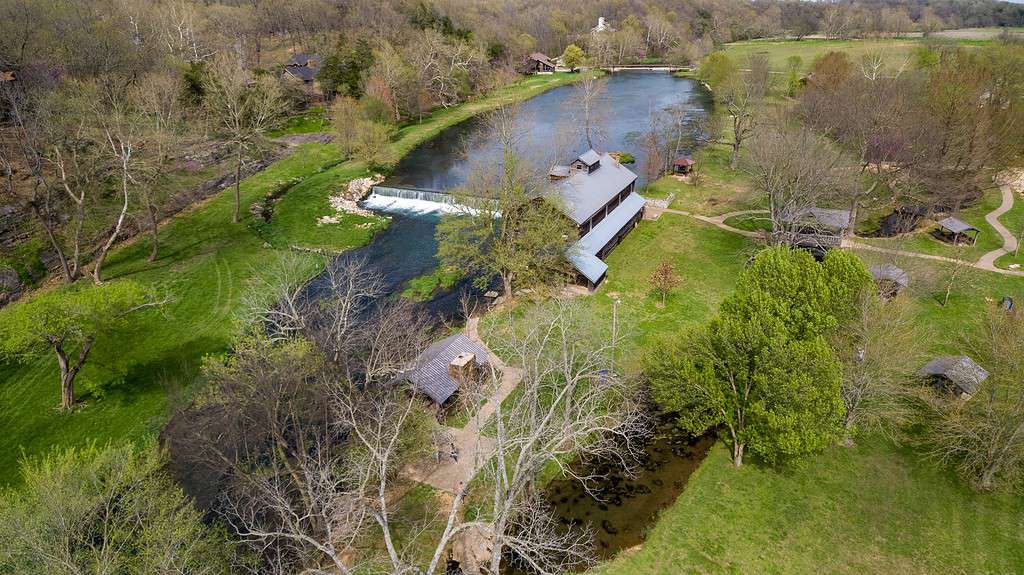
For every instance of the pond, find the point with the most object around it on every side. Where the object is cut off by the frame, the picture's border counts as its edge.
(621, 508)
(407, 248)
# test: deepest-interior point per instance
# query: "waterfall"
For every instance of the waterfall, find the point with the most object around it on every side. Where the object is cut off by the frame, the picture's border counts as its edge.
(416, 201)
(414, 194)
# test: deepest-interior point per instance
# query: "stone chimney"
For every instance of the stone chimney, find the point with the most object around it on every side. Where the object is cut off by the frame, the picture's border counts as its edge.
(463, 367)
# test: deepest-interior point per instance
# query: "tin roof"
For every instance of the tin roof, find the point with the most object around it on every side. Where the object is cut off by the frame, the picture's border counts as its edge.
(956, 226)
(583, 193)
(960, 370)
(430, 374)
(583, 254)
(891, 273)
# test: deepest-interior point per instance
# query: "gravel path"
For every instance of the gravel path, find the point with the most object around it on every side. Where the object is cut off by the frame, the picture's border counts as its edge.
(1011, 183)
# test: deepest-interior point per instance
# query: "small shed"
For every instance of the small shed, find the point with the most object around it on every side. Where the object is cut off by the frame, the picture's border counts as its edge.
(890, 279)
(683, 165)
(952, 229)
(540, 63)
(440, 370)
(957, 374)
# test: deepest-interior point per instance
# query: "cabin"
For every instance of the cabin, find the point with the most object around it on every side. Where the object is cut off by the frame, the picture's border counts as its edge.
(445, 366)
(816, 229)
(540, 64)
(598, 194)
(303, 67)
(958, 375)
(890, 279)
(952, 230)
(683, 166)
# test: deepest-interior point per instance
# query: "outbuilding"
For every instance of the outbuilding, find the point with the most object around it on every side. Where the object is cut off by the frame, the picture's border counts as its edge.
(540, 64)
(953, 229)
(956, 374)
(683, 166)
(445, 366)
(890, 278)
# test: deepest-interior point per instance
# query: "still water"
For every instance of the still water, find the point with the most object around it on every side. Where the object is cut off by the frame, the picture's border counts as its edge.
(549, 132)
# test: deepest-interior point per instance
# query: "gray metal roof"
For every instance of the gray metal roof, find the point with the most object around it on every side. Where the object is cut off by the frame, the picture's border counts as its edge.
(590, 157)
(823, 217)
(891, 273)
(542, 58)
(430, 374)
(956, 226)
(583, 254)
(960, 370)
(300, 59)
(582, 193)
(304, 73)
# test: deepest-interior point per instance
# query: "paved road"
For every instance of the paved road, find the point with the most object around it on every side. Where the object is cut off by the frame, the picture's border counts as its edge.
(1011, 183)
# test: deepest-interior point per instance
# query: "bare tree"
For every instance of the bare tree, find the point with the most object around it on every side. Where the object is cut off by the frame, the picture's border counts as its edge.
(162, 122)
(740, 104)
(795, 170)
(590, 109)
(983, 438)
(879, 352)
(242, 108)
(121, 130)
(573, 403)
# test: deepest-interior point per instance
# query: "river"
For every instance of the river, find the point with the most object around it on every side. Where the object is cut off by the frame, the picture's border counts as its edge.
(625, 506)
(407, 248)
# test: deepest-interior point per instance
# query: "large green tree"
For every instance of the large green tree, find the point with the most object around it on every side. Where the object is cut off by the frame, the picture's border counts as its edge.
(68, 322)
(777, 396)
(111, 510)
(762, 367)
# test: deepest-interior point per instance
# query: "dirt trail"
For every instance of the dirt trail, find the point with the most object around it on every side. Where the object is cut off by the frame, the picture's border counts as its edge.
(1010, 184)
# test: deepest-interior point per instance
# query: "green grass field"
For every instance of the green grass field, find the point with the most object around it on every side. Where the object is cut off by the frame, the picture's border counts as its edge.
(206, 266)
(719, 189)
(869, 509)
(895, 51)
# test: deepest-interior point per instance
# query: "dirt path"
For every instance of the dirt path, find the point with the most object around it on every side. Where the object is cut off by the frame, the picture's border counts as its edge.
(1011, 183)
(473, 446)
(719, 221)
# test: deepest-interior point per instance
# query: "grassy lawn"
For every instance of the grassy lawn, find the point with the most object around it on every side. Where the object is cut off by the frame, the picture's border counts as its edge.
(309, 121)
(206, 266)
(1014, 221)
(869, 509)
(719, 190)
(896, 51)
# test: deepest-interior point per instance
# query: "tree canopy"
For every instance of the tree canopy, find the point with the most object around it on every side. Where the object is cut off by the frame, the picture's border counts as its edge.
(762, 367)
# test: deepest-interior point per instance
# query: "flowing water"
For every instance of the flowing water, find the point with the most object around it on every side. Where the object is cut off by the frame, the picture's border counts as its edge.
(625, 506)
(407, 248)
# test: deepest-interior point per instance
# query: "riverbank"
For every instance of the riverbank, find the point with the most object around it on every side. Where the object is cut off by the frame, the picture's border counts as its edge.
(138, 376)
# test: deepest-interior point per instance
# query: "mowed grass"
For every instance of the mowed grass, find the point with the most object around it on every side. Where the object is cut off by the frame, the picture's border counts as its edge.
(894, 51)
(719, 189)
(873, 508)
(206, 267)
